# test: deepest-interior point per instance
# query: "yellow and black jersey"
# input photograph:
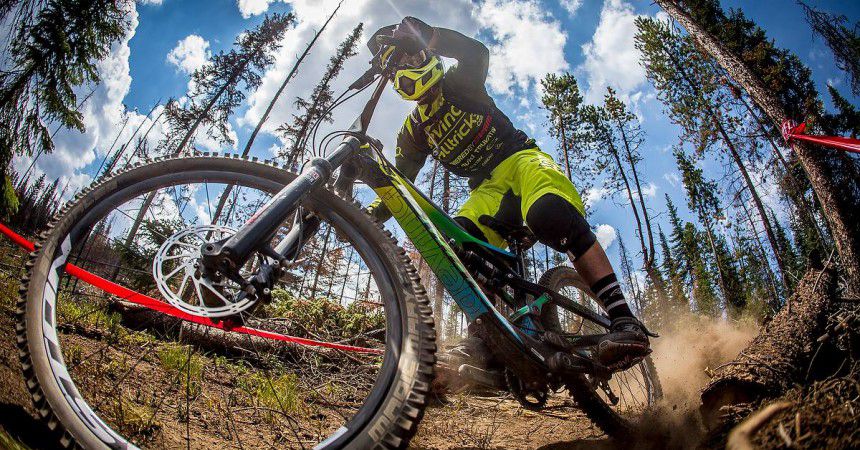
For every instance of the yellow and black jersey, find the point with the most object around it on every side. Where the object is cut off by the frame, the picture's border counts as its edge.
(461, 126)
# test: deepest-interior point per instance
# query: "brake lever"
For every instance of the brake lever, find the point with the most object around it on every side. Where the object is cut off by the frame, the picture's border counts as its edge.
(365, 79)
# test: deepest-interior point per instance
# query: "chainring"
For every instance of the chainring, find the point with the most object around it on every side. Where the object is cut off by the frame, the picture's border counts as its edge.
(530, 399)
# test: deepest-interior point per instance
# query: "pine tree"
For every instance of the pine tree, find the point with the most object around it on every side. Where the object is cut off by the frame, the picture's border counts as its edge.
(562, 101)
(627, 277)
(702, 199)
(702, 292)
(216, 85)
(316, 108)
(735, 300)
(846, 120)
(225, 194)
(50, 55)
(687, 83)
(843, 40)
(782, 87)
(216, 93)
(753, 273)
(610, 137)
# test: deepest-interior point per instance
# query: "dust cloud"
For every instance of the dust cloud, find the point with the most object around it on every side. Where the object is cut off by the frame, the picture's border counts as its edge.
(682, 354)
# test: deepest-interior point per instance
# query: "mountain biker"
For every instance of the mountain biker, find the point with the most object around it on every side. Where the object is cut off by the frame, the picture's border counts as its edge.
(458, 123)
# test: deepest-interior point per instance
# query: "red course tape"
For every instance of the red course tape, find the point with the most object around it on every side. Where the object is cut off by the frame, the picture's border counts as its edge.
(790, 132)
(165, 308)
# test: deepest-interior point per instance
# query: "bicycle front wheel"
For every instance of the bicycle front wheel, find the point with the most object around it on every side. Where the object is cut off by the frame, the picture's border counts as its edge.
(124, 344)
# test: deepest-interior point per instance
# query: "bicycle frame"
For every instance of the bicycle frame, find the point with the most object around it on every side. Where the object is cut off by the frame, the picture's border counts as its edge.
(429, 228)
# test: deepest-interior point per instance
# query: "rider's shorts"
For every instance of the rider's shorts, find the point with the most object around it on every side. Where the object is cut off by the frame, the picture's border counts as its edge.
(513, 187)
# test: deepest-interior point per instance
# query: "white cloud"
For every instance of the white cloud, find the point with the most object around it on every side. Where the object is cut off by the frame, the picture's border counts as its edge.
(672, 178)
(150, 2)
(190, 53)
(514, 26)
(606, 235)
(250, 8)
(611, 59)
(571, 5)
(102, 117)
(595, 195)
(650, 190)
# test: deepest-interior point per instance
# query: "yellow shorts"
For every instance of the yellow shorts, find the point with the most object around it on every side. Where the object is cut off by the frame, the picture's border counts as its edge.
(524, 176)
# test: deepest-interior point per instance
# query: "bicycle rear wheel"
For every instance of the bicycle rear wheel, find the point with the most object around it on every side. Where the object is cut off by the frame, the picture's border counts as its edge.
(152, 368)
(613, 406)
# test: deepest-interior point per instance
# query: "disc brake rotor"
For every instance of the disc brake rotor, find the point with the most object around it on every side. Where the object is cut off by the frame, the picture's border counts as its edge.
(178, 277)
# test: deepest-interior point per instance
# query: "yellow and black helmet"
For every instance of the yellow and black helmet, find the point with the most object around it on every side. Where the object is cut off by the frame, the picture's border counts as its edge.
(413, 82)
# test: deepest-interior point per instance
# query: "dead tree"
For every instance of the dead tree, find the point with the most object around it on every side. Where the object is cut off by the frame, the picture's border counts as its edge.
(779, 356)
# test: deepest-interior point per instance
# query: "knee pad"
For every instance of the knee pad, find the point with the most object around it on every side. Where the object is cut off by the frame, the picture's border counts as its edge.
(470, 227)
(559, 224)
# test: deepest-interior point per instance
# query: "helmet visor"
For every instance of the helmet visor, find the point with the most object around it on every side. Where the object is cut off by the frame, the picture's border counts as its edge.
(406, 85)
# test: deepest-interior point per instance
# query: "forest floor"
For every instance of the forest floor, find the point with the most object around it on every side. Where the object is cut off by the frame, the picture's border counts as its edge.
(460, 421)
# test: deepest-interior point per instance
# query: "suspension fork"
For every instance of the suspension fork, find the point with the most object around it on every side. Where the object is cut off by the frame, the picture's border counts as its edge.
(228, 255)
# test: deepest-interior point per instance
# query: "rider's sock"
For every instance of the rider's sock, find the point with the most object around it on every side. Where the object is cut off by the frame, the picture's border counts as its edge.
(608, 290)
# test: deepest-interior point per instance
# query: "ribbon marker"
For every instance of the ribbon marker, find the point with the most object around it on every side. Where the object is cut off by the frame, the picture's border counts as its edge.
(165, 308)
(790, 132)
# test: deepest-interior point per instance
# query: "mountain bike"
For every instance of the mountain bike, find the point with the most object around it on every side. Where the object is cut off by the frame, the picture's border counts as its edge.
(189, 330)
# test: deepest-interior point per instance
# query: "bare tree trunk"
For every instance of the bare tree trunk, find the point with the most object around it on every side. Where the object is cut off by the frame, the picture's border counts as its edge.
(710, 233)
(122, 148)
(762, 253)
(807, 209)
(845, 236)
(320, 263)
(768, 229)
(247, 150)
(346, 273)
(650, 270)
(564, 147)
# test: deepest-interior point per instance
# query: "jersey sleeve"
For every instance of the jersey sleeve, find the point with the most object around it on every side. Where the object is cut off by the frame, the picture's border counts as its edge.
(473, 61)
(410, 154)
(409, 157)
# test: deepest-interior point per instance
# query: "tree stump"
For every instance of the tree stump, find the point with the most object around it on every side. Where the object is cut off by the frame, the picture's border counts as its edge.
(779, 356)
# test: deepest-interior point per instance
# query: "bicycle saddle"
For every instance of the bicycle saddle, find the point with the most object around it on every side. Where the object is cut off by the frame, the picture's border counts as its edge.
(510, 232)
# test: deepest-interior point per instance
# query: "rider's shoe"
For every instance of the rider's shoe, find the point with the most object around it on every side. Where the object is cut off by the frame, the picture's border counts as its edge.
(625, 344)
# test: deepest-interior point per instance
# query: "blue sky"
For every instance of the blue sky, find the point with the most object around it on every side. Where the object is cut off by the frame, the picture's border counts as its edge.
(590, 38)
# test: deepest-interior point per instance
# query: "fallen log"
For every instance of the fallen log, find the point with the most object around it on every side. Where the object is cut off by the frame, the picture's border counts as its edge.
(779, 356)
(741, 436)
(214, 339)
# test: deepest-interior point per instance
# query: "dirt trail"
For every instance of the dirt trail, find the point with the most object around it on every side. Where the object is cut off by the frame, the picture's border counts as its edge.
(470, 422)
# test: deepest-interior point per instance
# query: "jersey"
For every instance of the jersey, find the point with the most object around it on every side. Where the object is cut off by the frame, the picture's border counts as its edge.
(461, 127)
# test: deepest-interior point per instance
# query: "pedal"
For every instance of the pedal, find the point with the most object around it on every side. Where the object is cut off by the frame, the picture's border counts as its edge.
(490, 378)
(627, 362)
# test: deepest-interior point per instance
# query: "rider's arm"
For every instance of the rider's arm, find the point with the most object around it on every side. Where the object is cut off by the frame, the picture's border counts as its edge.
(409, 158)
(473, 57)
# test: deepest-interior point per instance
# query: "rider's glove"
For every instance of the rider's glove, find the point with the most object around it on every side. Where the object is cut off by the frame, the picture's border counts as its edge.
(412, 36)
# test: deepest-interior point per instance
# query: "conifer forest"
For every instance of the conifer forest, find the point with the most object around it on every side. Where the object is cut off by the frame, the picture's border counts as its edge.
(155, 292)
